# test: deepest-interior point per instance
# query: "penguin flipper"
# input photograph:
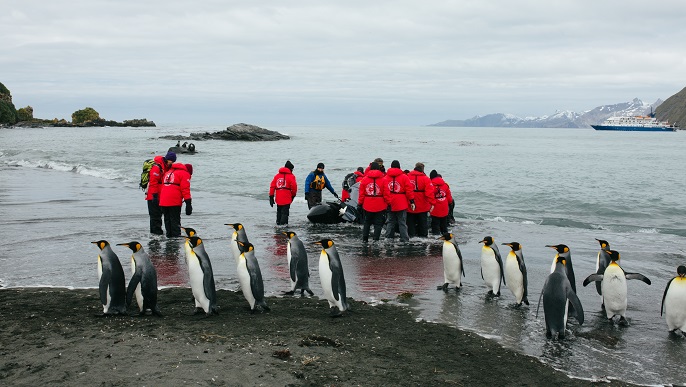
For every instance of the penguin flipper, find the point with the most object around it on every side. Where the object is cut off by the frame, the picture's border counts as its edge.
(103, 286)
(576, 303)
(500, 262)
(637, 276)
(540, 298)
(662, 305)
(133, 283)
(293, 264)
(592, 278)
(256, 284)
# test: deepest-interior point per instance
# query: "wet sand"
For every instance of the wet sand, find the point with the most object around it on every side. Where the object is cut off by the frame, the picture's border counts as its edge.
(51, 336)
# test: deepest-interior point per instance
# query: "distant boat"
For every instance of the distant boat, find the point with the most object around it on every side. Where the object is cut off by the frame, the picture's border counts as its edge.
(636, 124)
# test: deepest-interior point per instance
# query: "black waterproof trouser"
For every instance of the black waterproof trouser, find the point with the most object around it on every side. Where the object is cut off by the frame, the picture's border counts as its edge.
(282, 213)
(377, 219)
(155, 217)
(172, 220)
(418, 224)
(314, 197)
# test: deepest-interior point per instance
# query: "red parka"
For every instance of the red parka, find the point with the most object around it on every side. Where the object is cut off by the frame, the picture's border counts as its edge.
(398, 189)
(283, 187)
(176, 186)
(372, 190)
(443, 197)
(155, 179)
(424, 196)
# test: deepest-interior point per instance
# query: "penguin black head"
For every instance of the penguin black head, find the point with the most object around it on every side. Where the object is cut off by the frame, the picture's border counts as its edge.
(289, 234)
(487, 241)
(614, 256)
(559, 248)
(561, 260)
(135, 246)
(235, 226)
(244, 247)
(681, 270)
(194, 240)
(189, 231)
(325, 243)
(446, 237)
(515, 246)
(603, 244)
(101, 244)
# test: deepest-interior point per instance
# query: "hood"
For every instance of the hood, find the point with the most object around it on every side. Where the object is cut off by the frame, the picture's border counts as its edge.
(179, 166)
(437, 181)
(374, 173)
(394, 172)
(285, 170)
(159, 160)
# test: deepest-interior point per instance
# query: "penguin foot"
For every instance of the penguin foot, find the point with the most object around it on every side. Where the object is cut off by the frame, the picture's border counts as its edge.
(198, 311)
(156, 312)
(526, 301)
(443, 287)
(623, 322)
(289, 293)
(335, 312)
(457, 289)
(311, 293)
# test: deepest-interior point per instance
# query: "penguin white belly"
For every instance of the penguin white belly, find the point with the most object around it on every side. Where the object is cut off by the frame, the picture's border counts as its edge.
(234, 247)
(325, 276)
(288, 255)
(452, 267)
(614, 291)
(244, 279)
(490, 269)
(105, 307)
(196, 277)
(675, 305)
(138, 293)
(514, 277)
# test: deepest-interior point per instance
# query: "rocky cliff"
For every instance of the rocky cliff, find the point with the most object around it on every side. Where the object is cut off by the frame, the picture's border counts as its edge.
(674, 109)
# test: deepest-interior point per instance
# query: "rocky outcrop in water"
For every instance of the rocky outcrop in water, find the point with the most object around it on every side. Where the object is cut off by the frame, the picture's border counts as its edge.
(237, 132)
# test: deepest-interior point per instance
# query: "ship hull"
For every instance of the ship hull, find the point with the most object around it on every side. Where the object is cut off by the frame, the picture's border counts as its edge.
(634, 128)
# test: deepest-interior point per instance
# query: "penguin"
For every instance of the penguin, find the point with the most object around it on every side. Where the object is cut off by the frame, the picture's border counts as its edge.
(238, 235)
(452, 262)
(189, 231)
(250, 277)
(143, 280)
(674, 302)
(332, 278)
(613, 282)
(601, 263)
(491, 266)
(298, 265)
(564, 252)
(515, 273)
(201, 276)
(112, 286)
(556, 294)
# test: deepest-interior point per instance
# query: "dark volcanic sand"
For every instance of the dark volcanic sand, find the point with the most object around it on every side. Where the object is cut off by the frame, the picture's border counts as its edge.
(51, 337)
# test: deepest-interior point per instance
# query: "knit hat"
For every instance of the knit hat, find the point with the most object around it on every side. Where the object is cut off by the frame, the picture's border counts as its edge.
(189, 168)
(374, 166)
(433, 174)
(170, 156)
(395, 164)
(320, 165)
(379, 160)
(419, 167)
(289, 165)
(360, 169)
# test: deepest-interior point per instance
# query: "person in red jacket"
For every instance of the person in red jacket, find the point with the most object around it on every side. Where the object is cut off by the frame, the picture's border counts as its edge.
(345, 193)
(152, 193)
(284, 188)
(400, 194)
(176, 189)
(372, 200)
(439, 215)
(424, 199)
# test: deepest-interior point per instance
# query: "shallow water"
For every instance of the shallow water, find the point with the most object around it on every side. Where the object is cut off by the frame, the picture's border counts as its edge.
(63, 188)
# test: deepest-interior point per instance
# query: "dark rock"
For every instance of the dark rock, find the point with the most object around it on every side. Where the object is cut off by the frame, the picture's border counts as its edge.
(237, 132)
(38, 123)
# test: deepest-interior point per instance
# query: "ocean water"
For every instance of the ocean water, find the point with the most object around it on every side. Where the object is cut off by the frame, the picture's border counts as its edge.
(65, 187)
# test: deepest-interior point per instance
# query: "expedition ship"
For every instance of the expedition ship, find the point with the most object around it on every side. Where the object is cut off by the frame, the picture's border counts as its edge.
(636, 124)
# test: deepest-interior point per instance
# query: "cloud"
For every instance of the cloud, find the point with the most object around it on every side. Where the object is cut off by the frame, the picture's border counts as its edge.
(338, 62)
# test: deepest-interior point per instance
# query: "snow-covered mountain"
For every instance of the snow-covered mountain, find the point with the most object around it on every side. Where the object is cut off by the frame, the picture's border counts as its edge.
(560, 119)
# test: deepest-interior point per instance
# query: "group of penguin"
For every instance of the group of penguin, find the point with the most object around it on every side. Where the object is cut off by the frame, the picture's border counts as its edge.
(115, 296)
(559, 290)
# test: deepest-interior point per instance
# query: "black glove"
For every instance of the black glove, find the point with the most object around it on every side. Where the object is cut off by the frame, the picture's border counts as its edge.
(335, 195)
(271, 200)
(189, 207)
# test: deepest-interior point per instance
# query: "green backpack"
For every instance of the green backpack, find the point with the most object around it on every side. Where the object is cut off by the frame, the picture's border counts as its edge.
(145, 175)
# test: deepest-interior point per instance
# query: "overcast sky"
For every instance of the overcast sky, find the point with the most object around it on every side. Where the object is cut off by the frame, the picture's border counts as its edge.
(366, 62)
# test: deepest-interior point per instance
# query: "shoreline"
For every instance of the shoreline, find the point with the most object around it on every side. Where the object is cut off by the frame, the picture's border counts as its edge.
(51, 336)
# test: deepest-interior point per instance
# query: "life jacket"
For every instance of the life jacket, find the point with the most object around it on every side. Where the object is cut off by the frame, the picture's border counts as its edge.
(318, 183)
(145, 175)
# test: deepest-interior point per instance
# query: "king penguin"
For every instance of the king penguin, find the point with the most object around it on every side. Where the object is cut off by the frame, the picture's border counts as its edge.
(189, 231)
(201, 276)
(556, 294)
(613, 283)
(452, 262)
(250, 277)
(238, 235)
(143, 280)
(298, 265)
(515, 273)
(601, 262)
(332, 278)
(112, 284)
(491, 266)
(674, 302)
(564, 252)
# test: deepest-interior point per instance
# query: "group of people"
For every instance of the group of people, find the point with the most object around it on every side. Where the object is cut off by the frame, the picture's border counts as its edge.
(407, 202)
(169, 186)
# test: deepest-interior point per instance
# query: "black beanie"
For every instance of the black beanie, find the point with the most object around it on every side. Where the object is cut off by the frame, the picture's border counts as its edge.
(433, 174)
(360, 169)
(395, 164)
(289, 165)
(374, 166)
(320, 165)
